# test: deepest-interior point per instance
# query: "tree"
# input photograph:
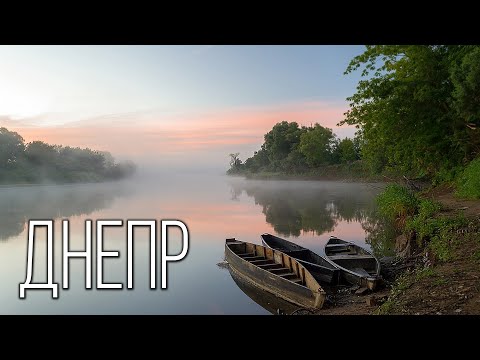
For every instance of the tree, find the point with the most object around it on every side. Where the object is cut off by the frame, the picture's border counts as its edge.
(281, 140)
(346, 151)
(235, 163)
(41, 153)
(316, 145)
(38, 162)
(415, 104)
(12, 146)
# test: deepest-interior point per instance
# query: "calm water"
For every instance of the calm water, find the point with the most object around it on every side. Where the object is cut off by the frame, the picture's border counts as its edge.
(213, 207)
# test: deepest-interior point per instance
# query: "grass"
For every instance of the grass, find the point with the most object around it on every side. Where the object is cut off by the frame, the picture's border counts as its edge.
(401, 284)
(397, 204)
(468, 183)
(476, 256)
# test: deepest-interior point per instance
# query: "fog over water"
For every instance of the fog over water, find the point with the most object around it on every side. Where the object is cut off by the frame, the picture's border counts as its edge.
(213, 206)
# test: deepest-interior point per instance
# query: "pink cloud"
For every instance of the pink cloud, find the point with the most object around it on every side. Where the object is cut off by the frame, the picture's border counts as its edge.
(155, 134)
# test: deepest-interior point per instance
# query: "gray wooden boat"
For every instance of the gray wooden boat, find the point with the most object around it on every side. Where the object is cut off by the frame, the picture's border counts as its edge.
(275, 272)
(321, 269)
(357, 265)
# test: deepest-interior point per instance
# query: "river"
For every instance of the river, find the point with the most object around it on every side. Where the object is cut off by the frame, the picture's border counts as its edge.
(213, 208)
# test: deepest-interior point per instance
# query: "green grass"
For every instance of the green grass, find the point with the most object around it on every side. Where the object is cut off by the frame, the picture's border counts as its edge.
(476, 256)
(402, 283)
(468, 183)
(397, 203)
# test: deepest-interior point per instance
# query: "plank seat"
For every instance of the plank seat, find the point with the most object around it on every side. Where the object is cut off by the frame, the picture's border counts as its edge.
(281, 270)
(246, 254)
(270, 266)
(250, 258)
(350, 257)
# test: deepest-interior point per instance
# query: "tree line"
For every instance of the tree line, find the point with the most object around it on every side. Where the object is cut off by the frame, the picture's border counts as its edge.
(417, 111)
(38, 162)
(291, 148)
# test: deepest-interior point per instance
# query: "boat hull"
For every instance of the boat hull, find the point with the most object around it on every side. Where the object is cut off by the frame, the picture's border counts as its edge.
(311, 296)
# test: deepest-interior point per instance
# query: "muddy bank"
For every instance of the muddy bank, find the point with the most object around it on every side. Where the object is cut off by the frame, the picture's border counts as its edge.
(417, 282)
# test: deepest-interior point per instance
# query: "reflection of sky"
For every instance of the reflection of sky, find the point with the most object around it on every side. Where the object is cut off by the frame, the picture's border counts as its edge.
(196, 285)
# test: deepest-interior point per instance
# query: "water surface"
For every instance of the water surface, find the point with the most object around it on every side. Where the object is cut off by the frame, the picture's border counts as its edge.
(213, 207)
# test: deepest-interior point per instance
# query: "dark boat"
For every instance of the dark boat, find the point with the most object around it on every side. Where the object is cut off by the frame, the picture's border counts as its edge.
(357, 265)
(321, 269)
(276, 272)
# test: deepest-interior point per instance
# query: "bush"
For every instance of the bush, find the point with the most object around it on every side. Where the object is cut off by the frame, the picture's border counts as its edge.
(397, 203)
(468, 183)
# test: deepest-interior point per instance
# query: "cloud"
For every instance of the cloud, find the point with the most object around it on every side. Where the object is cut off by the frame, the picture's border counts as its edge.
(153, 134)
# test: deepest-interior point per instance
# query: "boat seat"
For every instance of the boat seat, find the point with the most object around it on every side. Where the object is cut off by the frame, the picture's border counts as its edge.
(270, 266)
(235, 243)
(246, 255)
(297, 281)
(251, 258)
(336, 245)
(279, 270)
(350, 257)
(262, 261)
(288, 276)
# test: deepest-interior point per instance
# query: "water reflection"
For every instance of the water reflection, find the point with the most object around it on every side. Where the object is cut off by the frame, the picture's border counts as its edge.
(293, 208)
(19, 204)
(273, 304)
(308, 206)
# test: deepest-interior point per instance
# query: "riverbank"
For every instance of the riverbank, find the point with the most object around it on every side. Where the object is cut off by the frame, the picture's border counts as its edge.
(430, 280)
(353, 172)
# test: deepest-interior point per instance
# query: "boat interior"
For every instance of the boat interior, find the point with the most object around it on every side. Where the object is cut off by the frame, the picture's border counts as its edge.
(272, 261)
(352, 257)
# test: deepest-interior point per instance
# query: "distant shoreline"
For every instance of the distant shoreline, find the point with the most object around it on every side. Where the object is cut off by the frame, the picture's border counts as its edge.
(16, 185)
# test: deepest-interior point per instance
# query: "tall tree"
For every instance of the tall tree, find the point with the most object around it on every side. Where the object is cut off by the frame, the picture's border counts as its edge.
(408, 105)
(12, 146)
(316, 145)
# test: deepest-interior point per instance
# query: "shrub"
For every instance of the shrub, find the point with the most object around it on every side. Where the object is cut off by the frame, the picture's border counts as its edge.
(468, 183)
(397, 203)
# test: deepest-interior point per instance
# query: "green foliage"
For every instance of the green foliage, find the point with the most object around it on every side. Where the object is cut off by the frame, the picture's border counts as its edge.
(439, 233)
(281, 140)
(346, 151)
(397, 203)
(446, 175)
(402, 283)
(235, 164)
(38, 162)
(290, 149)
(417, 107)
(476, 256)
(468, 183)
(317, 145)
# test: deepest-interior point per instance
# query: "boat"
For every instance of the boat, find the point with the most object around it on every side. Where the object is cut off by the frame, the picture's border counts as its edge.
(275, 272)
(321, 269)
(357, 265)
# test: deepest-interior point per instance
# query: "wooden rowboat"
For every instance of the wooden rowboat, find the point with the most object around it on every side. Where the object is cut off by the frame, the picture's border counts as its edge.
(275, 272)
(357, 265)
(321, 269)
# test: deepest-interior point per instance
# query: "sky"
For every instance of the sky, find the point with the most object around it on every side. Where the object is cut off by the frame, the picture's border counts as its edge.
(178, 106)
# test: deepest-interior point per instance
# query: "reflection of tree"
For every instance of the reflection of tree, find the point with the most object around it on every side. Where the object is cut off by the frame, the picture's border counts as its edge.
(293, 207)
(381, 234)
(19, 204)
